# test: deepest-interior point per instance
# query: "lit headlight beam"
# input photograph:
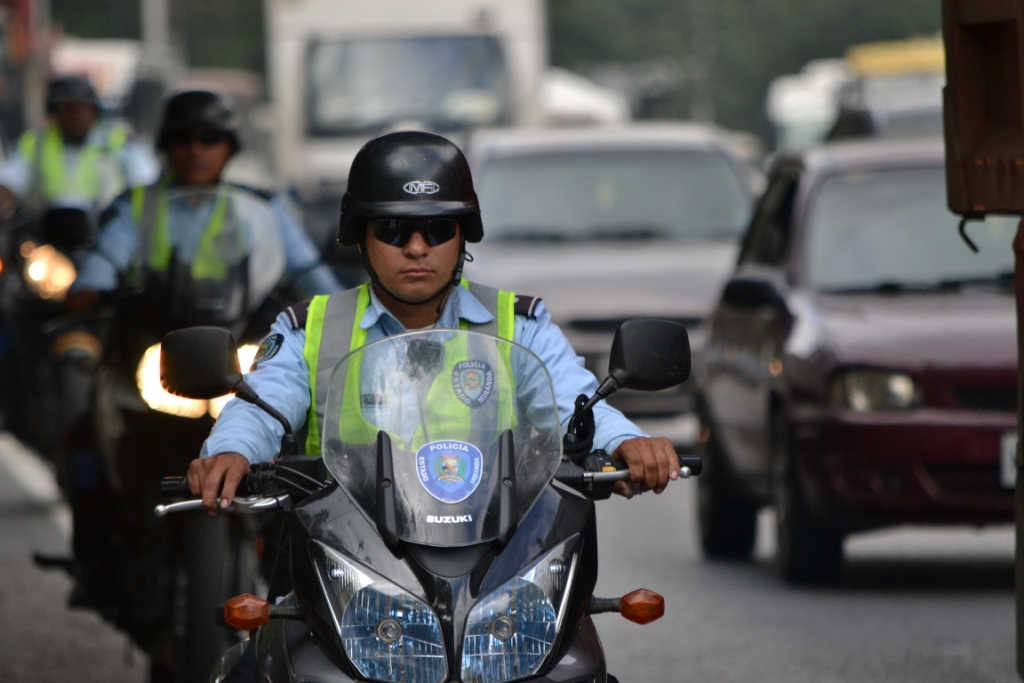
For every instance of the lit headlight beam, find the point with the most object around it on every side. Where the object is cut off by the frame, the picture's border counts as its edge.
(48, 272)
(147, 377)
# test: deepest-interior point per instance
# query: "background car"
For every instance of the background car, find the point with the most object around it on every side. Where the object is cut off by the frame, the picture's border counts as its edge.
(612, 223)
(861, 364)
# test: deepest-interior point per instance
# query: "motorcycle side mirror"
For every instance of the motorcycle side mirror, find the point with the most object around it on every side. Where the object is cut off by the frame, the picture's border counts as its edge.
(647, 355)
(66, 229)
(199, 362)
(202, 363)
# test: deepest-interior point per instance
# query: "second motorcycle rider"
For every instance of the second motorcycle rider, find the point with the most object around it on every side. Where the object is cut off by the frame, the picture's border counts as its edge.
(190, 249)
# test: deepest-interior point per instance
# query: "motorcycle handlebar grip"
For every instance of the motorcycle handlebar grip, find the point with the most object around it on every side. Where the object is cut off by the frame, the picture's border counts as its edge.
(693, 463)
(174, 487)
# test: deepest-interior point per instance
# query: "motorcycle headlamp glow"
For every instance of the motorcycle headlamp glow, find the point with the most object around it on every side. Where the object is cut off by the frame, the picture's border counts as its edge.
(48, 272)
(388, 633)
(510, 631)
(147, 377)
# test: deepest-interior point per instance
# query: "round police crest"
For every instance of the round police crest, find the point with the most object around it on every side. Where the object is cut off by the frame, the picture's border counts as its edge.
(268, 349)
(449, 470)
(473, 381)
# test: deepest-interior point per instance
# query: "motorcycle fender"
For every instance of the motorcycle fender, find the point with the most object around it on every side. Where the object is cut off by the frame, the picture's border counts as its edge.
(287, 652)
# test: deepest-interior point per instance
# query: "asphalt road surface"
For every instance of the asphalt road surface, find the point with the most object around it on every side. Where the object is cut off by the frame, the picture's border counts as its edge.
(913, 605)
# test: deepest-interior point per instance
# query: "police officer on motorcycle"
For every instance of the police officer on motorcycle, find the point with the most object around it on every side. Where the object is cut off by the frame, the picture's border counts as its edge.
(144, 240)
(410, 208)
(198, 136)
(74, 160)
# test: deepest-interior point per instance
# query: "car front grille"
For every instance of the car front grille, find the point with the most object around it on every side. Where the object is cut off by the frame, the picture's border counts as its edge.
(967, 479)
(997, 398)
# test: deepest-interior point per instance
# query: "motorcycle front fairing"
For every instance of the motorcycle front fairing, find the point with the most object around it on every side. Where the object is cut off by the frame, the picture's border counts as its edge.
(450, 598)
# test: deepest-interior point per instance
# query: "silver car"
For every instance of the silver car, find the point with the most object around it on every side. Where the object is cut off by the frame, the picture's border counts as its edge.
(612, 223)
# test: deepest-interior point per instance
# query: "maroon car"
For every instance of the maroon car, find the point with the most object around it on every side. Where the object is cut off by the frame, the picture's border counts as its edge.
(860, 366)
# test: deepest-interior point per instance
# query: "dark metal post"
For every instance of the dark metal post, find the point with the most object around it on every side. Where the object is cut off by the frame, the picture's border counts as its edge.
(1018, 494)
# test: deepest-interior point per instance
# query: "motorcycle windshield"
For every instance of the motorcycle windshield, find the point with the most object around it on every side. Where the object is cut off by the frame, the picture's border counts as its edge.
(220, 246)
(444, 398)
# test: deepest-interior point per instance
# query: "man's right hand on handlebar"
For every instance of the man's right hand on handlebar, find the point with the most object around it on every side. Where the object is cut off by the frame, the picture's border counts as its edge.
(217, 477)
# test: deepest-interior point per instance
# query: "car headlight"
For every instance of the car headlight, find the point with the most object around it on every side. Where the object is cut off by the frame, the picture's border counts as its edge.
(510, 631)
(388, 633)
(47, 272)
(871, 390)
(147, 377)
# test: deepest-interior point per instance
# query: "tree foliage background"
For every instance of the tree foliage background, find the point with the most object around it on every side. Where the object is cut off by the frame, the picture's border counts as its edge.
(741, 45)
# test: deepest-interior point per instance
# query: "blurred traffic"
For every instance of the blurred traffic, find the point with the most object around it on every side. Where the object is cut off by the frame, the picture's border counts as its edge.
(854, 363)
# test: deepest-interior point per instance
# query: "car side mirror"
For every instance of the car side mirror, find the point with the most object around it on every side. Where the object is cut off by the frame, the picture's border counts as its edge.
(743, 292)
(199, 362)
(650, 355)
(66, 229)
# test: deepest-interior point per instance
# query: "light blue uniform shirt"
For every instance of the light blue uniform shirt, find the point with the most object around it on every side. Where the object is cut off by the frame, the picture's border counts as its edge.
(135, 163)
(118, 243)
(283, 379)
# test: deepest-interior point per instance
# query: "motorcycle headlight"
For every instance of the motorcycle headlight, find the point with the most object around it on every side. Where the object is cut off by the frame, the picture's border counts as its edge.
(865, 390)
(510, 631)
(48, 272)
(147, 378)
(388, 633)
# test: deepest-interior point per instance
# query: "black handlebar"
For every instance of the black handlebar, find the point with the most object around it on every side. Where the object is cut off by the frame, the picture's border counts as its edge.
(174, 487)
(695, 464)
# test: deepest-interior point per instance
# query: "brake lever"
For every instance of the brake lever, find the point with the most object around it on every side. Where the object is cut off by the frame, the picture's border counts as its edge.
(247, 506)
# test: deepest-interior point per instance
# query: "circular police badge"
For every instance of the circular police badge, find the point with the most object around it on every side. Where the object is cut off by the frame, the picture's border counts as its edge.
(268, 349)
(449, 470)
(473, 381)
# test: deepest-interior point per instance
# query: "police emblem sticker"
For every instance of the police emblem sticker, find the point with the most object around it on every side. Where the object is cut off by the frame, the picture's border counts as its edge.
(473, 381)
(450, 471)
(268, 349)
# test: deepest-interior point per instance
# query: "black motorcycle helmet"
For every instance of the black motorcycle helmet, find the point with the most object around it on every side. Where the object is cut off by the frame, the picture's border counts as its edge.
(70, 89)
(194, 109)
(409, 174)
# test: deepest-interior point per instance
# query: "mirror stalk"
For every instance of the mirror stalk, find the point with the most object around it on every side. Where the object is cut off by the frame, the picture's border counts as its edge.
(289, 442)
(608, 387)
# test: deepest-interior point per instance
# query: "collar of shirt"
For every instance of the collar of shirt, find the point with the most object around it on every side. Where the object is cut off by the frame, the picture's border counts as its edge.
(461, 305)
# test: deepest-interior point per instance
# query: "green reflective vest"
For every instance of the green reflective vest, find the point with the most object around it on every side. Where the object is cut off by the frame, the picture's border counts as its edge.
(338, 317)
(50, 177)
(149, 211)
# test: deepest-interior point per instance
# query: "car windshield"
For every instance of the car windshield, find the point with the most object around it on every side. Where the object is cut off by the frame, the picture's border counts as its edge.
(892, 230)
(613, 195)
(448, 402)
(445, 82)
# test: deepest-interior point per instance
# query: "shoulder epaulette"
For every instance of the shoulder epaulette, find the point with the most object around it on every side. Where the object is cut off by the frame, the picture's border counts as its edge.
(261, 192)
(526, 305)
(297, 314)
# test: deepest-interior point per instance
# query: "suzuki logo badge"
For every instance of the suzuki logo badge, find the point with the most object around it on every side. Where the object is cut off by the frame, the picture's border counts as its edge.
(421, 187)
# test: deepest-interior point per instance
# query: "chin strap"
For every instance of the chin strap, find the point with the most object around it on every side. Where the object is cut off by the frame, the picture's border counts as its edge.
(454, 282)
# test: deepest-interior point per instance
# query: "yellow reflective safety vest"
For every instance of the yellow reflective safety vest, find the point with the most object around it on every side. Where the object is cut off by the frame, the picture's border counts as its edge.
(50, 178)
(149, 211)
(333, 319)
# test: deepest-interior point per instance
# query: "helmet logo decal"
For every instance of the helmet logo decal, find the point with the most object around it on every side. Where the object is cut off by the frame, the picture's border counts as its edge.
(421, 187)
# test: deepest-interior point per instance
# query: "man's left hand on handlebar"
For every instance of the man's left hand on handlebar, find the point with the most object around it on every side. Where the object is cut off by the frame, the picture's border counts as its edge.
(217, 477)
(652, 464)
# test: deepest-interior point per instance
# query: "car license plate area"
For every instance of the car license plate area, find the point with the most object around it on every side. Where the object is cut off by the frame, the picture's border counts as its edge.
(1008, 460)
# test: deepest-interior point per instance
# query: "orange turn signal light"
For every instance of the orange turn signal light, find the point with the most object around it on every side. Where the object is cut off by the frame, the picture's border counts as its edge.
(246, 612)
(642, 606)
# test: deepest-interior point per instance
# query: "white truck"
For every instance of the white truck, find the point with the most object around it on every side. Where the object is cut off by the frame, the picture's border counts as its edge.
(344, 71)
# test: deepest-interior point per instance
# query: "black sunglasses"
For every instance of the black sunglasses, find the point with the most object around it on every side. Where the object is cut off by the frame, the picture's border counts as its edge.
(398, 231)
(206, 138)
